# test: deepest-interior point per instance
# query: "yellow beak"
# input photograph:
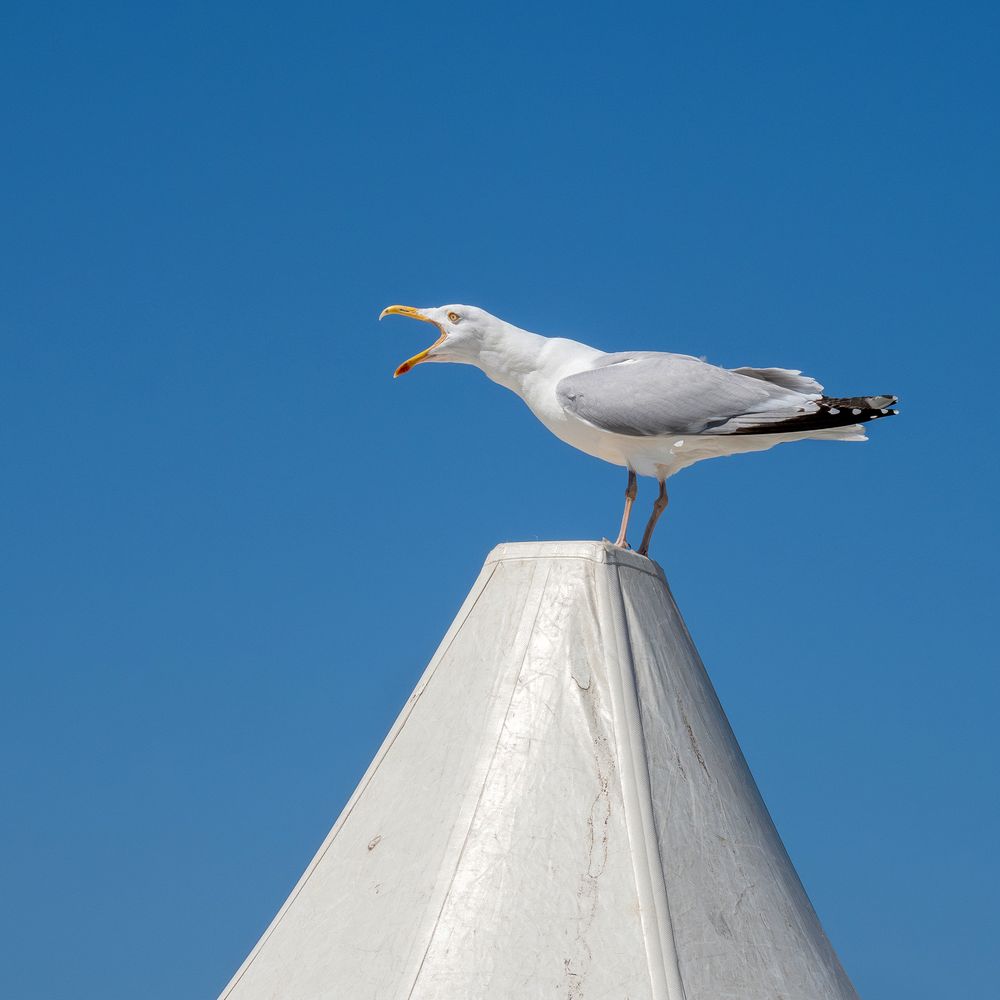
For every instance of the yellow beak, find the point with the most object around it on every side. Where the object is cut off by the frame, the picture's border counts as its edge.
(413, 314)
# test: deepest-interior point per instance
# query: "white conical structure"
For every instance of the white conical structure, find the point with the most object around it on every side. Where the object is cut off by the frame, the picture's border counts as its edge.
(560, 811)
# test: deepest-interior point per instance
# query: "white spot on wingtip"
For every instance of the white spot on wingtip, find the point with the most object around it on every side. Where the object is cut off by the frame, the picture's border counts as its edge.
(834, 411)
(856, 412)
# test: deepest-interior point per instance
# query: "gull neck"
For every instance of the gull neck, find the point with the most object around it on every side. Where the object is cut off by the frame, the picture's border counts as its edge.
(518, 359)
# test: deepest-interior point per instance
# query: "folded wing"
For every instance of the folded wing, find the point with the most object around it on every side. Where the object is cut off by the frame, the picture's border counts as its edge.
(646, 394)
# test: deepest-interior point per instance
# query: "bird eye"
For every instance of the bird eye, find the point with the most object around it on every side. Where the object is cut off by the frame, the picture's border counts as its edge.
(454, 317)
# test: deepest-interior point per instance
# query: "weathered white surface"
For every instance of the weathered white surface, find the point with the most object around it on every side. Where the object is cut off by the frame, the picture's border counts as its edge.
(560, 811)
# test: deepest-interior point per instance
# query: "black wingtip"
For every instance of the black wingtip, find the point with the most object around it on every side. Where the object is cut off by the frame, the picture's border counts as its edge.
(844, 411)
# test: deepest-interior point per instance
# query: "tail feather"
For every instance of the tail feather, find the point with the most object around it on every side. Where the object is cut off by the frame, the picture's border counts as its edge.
(828, 412)
(860, 402)
(785, 378)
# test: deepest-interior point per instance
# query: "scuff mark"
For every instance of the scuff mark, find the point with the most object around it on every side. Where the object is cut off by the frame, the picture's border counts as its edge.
(741, 897)
(692, 738)
(719, 923)
(374, 842)
(597, 832)
(574, 984)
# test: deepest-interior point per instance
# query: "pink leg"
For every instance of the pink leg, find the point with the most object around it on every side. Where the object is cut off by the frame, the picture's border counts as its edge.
(659, 507)
(630, 493)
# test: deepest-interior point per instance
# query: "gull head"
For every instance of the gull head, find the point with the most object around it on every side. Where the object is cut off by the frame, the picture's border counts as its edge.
(463, 332)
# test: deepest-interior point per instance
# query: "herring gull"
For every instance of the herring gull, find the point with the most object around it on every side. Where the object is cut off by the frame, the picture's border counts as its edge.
(651, 412)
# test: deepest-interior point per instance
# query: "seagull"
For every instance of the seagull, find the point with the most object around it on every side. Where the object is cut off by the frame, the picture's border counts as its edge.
(651, 412)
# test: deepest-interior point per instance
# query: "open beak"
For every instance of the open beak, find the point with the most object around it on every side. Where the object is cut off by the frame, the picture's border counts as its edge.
(413, 314)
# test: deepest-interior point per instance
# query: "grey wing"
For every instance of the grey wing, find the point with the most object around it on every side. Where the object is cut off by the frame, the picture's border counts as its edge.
(652, 394)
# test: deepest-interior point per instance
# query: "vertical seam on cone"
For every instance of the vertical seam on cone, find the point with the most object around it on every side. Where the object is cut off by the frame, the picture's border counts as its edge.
(535, 595)
(397, 728)
(654, 910)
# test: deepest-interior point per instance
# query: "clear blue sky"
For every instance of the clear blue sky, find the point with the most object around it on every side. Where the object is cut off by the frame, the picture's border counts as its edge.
(230, 542)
